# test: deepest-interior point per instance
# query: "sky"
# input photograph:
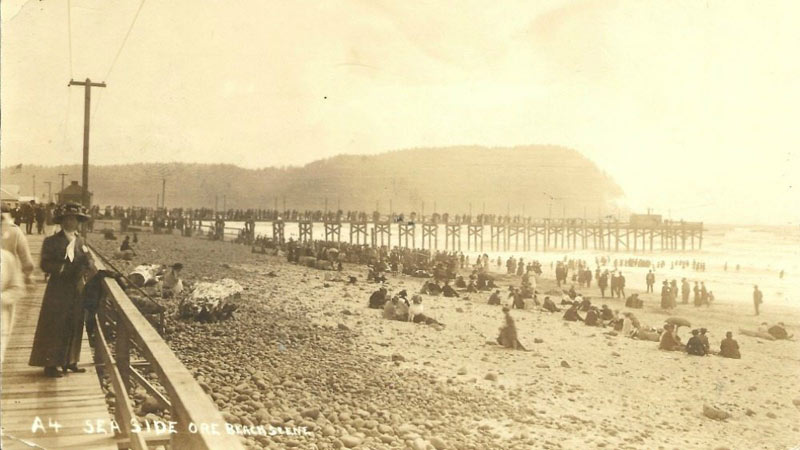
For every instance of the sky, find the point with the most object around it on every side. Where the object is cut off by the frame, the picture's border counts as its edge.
(691, 106)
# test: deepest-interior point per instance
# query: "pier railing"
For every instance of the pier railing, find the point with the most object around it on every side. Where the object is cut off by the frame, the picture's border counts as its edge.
(192, 413)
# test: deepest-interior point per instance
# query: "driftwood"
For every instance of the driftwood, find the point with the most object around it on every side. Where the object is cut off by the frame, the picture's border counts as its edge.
(211, 302)
(145, 274)
(757, 334)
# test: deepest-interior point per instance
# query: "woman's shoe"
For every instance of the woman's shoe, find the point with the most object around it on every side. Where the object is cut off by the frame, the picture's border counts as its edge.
(52, 372)
(74, 368)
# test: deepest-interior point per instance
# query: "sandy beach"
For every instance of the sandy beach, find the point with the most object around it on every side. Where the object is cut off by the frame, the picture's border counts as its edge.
(366, 382)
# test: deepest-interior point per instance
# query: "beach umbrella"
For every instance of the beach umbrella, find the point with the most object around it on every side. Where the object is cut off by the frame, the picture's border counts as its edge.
(678, 321)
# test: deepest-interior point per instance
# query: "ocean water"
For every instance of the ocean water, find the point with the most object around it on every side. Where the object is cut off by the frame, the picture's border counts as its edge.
(760, 251)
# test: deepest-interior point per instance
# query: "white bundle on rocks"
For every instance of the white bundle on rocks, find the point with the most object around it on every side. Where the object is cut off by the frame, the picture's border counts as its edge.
(145, 274)
(211, 302)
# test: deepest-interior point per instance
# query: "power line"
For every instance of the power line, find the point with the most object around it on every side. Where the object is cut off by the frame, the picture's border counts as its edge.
(125, 39)
(119, 52)
(69, 35)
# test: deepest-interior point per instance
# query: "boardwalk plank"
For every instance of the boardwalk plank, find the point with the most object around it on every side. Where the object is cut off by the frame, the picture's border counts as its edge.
(27, 394)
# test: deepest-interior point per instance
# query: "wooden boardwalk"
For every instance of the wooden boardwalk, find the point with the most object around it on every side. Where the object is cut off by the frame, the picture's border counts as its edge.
(27, 393)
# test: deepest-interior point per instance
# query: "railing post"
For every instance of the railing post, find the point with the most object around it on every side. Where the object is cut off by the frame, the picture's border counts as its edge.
(122, 350)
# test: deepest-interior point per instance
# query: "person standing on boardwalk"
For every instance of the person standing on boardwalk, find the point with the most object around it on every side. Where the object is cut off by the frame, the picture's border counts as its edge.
(758, 298)
(59, 330)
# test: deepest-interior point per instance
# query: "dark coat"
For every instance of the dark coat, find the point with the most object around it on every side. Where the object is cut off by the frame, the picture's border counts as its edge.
(59, 331)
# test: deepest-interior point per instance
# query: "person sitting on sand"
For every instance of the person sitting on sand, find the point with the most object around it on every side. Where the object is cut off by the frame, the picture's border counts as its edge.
(460, 283)
(549, 305)
(126, 244)
(471, 287)
(633, 301)
(586, 304)
(172, 283)
(508, 332)
(448, 290)
(669, 339)
(571, 315)
(400, 310)
(592, 317)
(704, 339)
(494, 299)
(416, 312)
(695, 345)
(516, 298)
(388, 308)
(572, 294)
(779, 331)
(729, 348)
(606, 313)
(627, 325)
(378, 298)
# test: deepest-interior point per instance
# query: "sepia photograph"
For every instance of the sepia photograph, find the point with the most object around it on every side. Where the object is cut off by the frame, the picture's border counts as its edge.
(425, 225)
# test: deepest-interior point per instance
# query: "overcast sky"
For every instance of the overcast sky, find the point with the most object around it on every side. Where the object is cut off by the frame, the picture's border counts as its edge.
(692, 106)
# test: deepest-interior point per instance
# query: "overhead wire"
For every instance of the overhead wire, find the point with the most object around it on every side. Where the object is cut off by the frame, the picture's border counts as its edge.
(71, 73)
(119, 52)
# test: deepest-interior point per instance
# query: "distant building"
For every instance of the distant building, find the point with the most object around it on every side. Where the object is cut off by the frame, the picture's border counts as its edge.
(72, 193)
(645, 220)
(9, 195)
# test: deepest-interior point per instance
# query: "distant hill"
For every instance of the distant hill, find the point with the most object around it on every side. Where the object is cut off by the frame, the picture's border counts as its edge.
(452, 177)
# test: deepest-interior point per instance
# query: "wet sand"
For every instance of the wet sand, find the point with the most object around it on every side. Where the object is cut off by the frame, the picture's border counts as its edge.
(304, 351)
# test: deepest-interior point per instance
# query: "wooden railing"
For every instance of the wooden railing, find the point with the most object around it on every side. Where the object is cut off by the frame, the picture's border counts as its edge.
(191, 410)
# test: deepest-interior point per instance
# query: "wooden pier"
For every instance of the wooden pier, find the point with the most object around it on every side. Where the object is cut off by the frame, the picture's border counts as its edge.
(529, 235)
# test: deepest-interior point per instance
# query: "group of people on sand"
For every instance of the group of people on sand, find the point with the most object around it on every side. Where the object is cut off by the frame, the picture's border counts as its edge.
(698, 344)
(398, 307)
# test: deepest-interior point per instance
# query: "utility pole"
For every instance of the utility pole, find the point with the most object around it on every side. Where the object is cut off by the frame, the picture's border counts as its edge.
(34, 186)
(163, 193)
(49, 191)
(62, 175)
(88, 85)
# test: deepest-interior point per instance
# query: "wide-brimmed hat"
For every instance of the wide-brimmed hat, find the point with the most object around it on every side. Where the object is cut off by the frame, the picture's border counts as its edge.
(70, 209)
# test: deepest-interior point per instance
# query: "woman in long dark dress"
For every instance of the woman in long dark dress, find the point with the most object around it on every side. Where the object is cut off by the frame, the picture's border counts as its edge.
(59, 331)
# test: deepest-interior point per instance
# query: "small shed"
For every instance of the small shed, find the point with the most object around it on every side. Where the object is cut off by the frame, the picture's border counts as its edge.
(72, 194)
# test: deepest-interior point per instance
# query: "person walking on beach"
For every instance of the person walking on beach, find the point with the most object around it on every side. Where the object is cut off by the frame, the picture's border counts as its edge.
(602, 283)
(666, 302)
(758, 298)
(650, 279)
(696, 294)
(685, 288)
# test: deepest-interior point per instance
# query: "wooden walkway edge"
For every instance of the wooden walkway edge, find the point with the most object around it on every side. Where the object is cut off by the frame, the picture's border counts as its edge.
(27, 394)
